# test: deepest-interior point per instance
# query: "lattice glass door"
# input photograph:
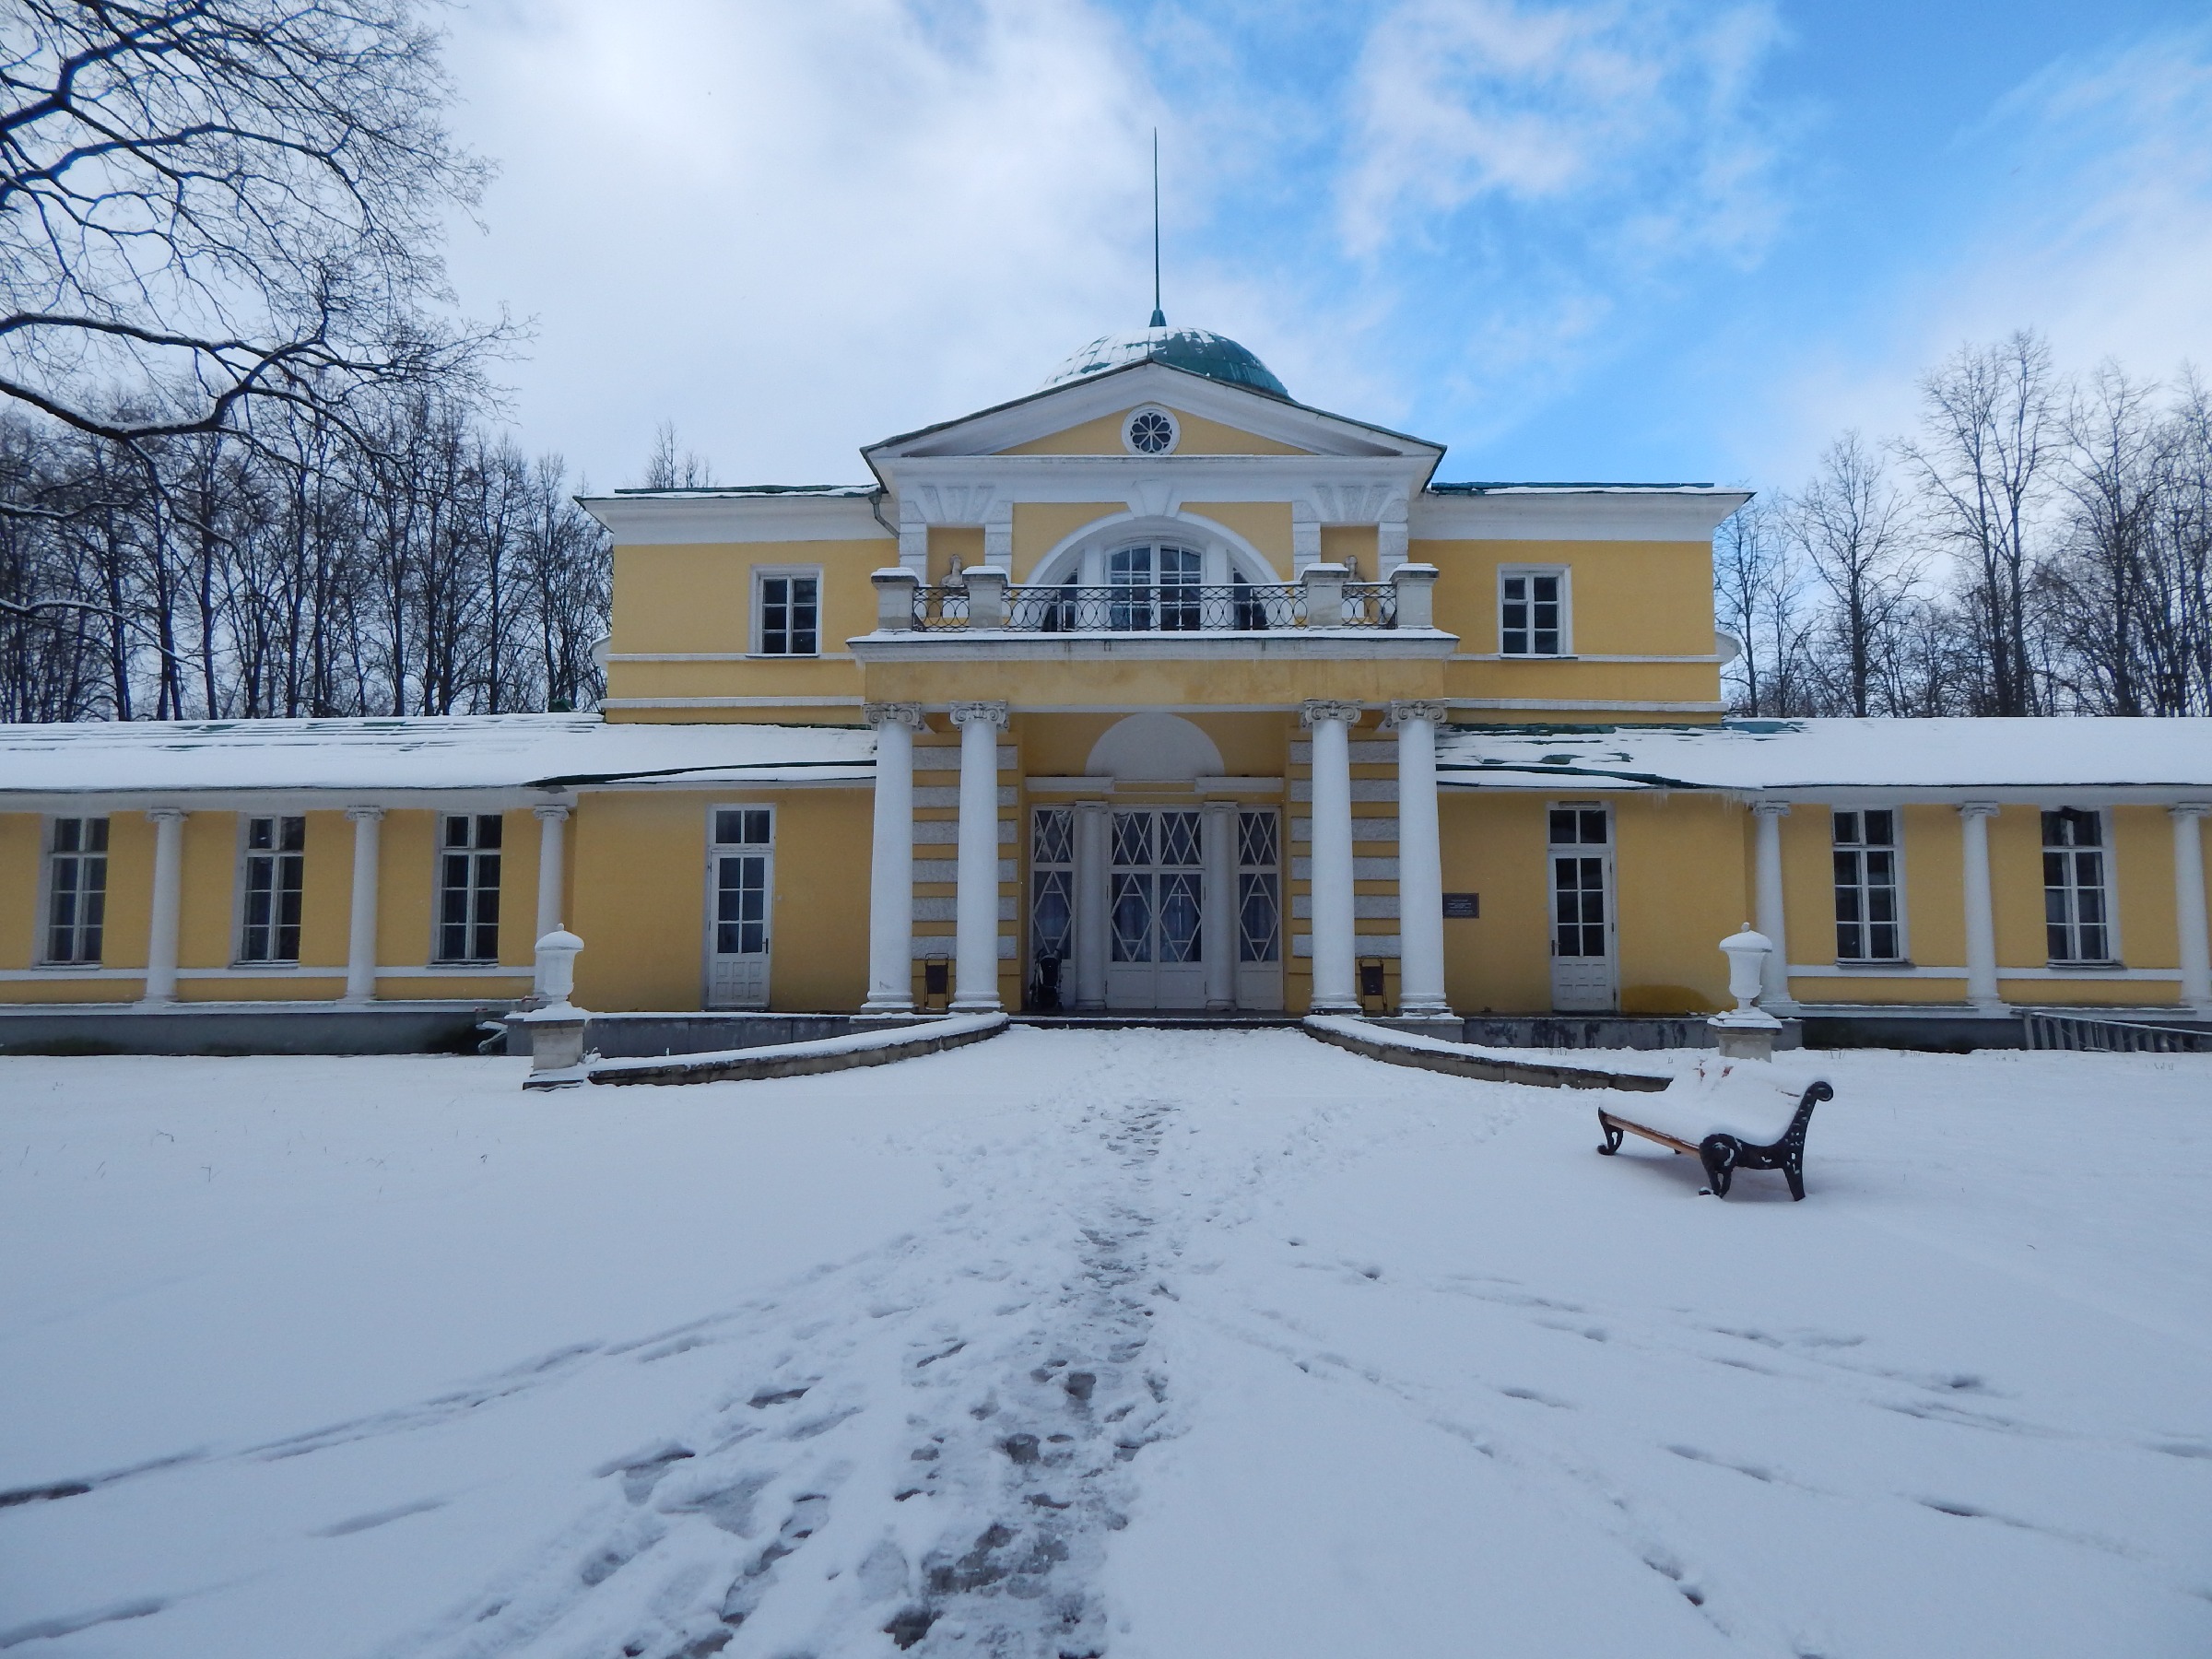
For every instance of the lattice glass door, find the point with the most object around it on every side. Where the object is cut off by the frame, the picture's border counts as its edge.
(1259, 909)
(1583, 976)
(740, 891)
(1156, 902)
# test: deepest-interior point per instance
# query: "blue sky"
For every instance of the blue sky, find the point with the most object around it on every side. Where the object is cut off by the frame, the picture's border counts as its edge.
(1619, 240)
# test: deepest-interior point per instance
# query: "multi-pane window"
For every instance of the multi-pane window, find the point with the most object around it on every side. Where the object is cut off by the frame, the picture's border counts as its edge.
(743, 836)
(1052, 883)
(1532, 613)
(2077, 912)
(468, 889)
(1259, 888)
(789, 613)
(77, 889)
(1153, 587)
(1578, 881)
(1866, 906)
(276, 864)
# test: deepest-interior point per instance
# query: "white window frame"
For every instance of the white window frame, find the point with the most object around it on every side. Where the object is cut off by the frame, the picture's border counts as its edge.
(237, 895)
(43, 919)
(711, 883)
(1174, 432)
(764, 573)
(1903, 958)
(2112, 957)
(438, 889)
(1566, 575)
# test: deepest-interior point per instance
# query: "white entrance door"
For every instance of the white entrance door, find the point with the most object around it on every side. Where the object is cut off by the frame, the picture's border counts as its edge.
(1259, 909)
(740, 885)
(1156, 898)
(1583, 976)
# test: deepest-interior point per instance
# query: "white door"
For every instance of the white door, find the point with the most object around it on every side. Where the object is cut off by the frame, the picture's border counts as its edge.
(1584, 978)
(1259, 909)
(1155, 900)
(740, 890)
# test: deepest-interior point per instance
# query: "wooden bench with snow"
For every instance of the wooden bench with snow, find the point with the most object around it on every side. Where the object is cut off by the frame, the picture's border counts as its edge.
(1734, 1114)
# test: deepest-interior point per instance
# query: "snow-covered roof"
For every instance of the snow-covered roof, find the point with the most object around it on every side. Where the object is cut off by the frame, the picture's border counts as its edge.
(512, 752)
(1946, 757)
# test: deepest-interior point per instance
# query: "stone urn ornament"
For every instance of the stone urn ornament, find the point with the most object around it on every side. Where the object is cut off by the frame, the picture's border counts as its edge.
(1746, 1031)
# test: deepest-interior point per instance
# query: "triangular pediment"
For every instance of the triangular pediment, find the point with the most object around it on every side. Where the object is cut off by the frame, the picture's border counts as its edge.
(1217, 419)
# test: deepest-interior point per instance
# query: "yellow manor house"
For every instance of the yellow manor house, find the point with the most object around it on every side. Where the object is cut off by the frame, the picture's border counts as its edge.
(1153, 690)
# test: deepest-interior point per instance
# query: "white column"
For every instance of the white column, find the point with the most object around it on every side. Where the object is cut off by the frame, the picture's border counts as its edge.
(891, 861)
(360, 928)
(1335, 989)
(1218, 848)
(1420, 863)
(1094, 834)
(169, 903)
(552, 837)
(975, 907)
(2189, 905)
(1981, 919)
(1765, 898)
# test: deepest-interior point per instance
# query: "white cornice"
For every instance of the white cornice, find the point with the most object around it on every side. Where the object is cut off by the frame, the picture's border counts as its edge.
(1613, 514)
(669, 521)
(1079, 401)
(1147, 481)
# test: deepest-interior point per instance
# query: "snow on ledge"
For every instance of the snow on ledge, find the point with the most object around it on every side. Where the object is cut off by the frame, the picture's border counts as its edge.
(797, 1059)
(1469, 1060)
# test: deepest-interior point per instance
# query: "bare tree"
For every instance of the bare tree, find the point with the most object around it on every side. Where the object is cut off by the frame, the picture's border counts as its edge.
(1989, 427)
(1849, 524)
(1749, 569)
(671, 466)
(211, 205)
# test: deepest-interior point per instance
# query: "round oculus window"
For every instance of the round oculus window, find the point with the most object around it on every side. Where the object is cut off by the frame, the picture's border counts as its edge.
(1151, 432)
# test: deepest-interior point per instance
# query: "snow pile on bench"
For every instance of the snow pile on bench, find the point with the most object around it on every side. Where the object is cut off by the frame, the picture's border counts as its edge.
(1754, 1100)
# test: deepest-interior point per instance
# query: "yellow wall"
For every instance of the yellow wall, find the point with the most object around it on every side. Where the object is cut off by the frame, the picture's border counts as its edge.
(640, 898)
(1266, 524)
(1131, 682)
(1493, 846)
(21, 846)
(1199, 436)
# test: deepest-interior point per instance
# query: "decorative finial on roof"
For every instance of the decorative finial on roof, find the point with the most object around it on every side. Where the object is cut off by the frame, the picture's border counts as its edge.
(1160, 318)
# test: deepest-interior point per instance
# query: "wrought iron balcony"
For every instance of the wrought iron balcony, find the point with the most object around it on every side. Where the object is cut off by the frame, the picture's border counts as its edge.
(1322, 602)
(1239, 608)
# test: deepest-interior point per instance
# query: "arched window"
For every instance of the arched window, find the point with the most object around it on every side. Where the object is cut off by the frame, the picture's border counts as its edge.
(1166, 581)
(1154, 586)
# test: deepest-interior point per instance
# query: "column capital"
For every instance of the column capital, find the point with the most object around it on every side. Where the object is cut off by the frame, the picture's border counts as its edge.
(1316, 709)
(364, 815)
(550, 814)
(894, 714)
(1979, 809)
(1217, 808)
(1405, 711)
(167, 814)
(2191, 810)
(988, 714)
(1772, 808)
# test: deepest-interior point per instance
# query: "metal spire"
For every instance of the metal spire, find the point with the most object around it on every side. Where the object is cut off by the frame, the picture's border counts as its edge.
(1160, 318)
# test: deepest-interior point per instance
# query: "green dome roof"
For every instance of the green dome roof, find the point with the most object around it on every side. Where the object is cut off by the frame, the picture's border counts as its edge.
(1215, 355)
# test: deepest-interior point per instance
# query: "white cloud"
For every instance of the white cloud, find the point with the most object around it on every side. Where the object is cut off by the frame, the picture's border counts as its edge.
(2095, 229)
(1636, 116)
(795, 229)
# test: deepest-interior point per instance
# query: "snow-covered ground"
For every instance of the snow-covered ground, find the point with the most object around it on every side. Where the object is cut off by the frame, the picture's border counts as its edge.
(1134, 1344)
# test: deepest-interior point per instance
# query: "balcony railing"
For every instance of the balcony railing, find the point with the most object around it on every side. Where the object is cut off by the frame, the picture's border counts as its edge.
(984, 602)
(1242, 607)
